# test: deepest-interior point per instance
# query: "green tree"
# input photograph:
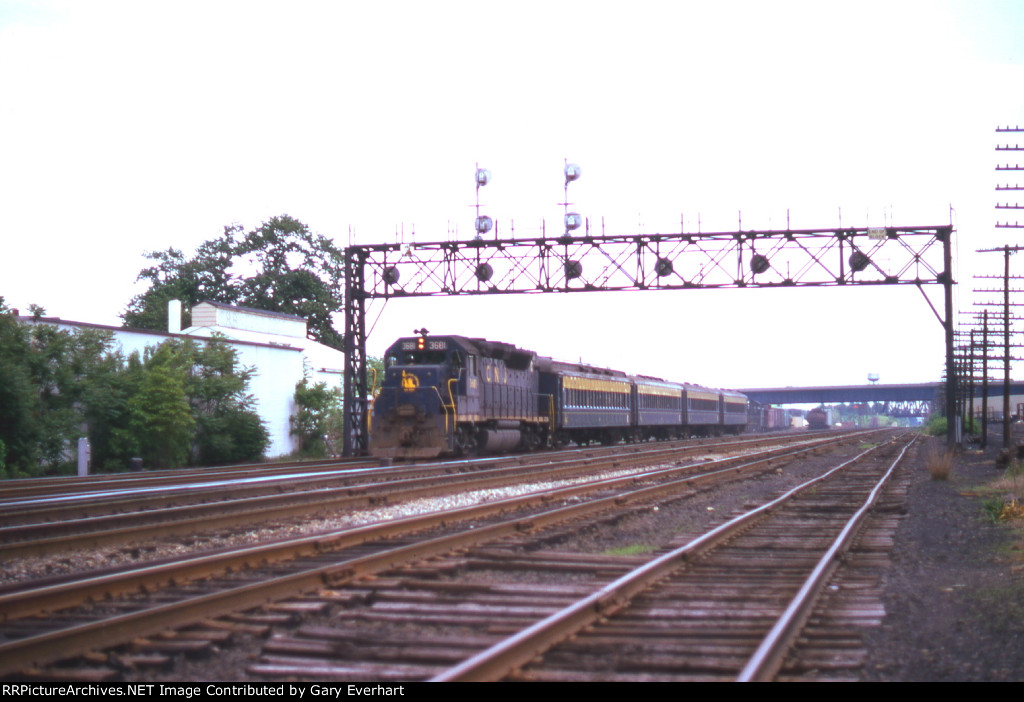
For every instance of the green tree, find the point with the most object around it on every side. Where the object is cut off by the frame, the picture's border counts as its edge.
(18, 394)
(281, 266)
(160, 415)
(180, 402)
(222, 425)
(108, 412)
(318, 414)
(228, 429)
(46, 377)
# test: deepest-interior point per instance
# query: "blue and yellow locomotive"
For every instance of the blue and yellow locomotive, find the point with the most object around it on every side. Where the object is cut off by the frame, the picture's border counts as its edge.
(453, 395)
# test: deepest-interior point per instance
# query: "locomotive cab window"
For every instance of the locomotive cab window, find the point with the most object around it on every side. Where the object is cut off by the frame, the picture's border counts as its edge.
(424, 358)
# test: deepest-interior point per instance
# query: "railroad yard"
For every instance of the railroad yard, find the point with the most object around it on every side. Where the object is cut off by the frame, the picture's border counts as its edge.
(693, 560)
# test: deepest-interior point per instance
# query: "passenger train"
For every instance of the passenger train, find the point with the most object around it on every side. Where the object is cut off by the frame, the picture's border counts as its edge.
(457, 396)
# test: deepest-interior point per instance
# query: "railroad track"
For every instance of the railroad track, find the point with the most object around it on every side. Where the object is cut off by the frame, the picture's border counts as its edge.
(59, 618)
(69, 486)
(34, 500)
(214, 587)
(697, 612)
(726, 605)
(43, 528)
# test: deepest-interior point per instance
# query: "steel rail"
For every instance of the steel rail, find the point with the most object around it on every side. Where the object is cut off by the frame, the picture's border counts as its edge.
(29, 602)
(22, 488)
(767, 659)
(86, 504)
(130, 527)
(44, 648)
(514, 652)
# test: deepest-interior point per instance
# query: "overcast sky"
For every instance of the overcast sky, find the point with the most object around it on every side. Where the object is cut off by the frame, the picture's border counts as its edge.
(127, 127)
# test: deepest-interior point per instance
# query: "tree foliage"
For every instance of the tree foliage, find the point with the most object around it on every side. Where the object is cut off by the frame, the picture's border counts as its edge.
(179, 403)
(159, 415)
(281, 266)
(318, 419)
(228, 429)
(46, 375)
(194, 399)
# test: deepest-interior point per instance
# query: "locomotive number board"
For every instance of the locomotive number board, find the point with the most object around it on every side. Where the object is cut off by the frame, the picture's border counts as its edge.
(414, 345)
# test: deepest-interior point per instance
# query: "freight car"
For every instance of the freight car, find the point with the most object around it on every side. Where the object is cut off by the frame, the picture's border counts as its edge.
(766, 418)
(454, 395)
(817, 418)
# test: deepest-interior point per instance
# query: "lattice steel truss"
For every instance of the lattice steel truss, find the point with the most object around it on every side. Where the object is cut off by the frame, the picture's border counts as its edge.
(909, 408)
(741, 259)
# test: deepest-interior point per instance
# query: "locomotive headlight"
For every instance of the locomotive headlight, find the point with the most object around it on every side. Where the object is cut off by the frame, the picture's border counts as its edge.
(421, 344)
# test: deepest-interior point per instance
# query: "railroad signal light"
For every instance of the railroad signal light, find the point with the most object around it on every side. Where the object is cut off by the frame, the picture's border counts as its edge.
(858, 261)
(484, 224)
(759, 264)
(484, 272)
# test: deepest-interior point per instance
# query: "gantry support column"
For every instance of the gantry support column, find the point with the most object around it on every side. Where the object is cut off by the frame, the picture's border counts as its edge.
(356, 440)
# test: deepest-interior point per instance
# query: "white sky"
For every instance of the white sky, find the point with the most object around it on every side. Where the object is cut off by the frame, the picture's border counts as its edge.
(132, 126)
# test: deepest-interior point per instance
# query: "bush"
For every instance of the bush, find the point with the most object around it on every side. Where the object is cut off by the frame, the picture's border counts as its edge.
(318, 414)
(937, 425)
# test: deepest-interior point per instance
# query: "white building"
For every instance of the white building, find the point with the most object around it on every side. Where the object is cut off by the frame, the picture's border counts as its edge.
(275, 345)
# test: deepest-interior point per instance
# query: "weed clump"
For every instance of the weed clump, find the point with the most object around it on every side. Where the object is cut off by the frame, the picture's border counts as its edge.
(939, 462)
(1000, 510)
(1012, 480)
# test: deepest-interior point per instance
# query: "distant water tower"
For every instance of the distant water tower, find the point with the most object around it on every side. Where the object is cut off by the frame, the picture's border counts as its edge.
(873, 378)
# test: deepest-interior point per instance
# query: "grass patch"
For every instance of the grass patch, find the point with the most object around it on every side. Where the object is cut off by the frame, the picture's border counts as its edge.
(631, 550)
(936, 426)
(992, 508)
(1012, 480)
(1006, 503)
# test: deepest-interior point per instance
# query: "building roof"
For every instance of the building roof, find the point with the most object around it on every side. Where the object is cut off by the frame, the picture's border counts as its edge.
(253, 310)
(30, 319)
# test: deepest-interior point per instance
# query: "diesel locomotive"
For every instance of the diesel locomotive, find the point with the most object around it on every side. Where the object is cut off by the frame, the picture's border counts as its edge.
(456, 396)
